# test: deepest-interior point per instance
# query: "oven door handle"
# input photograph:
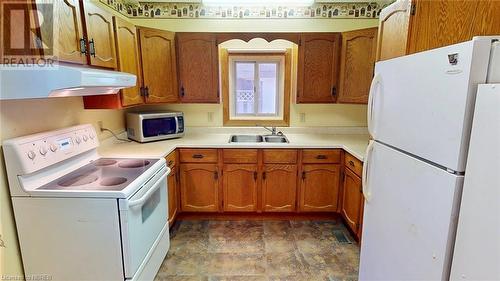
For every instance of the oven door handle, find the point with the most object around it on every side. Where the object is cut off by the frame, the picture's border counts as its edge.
(145, 197)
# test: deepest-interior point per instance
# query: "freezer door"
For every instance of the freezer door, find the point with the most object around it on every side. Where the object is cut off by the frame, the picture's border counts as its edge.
(409, 217)
(477, 247)
(423, 103)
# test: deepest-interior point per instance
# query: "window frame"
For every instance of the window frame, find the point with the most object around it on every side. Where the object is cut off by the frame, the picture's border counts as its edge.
(281, 118)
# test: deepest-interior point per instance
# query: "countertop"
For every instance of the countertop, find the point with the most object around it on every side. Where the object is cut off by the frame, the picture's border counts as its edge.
(355, 143)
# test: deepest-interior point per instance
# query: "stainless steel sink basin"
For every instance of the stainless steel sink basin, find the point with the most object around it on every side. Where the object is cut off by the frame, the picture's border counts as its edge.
(278, 139)
(246, 138)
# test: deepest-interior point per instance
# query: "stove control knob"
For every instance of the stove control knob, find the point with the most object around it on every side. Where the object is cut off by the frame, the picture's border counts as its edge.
(85, 138)
(43, 150)
(78, 139)
(53, 147)
(31, 154)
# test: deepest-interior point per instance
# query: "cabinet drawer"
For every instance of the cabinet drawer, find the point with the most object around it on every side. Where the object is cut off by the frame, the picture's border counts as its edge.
(353, 164)
(321, 156)
(272, 156)
(198, 155)
(239, 155)
(171, 159)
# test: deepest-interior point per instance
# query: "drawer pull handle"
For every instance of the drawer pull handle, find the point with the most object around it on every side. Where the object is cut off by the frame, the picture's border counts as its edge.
(351, 163)
(170, 163)
(216, 175)
(255, 175)
(264, 175)
(321, 156)
(198, 156)
(303, 175)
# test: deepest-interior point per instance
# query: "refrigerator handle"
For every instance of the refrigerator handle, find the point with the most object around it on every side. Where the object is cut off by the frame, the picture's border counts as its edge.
(364, 180)
(371, 97)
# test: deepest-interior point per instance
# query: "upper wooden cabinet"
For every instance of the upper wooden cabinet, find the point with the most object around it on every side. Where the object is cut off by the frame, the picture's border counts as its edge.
(357, 61)
(70, 44)
(100, 35)
(158, 65)
(197, 55)
(128, 59)
(411, 26)
(317, 69)
(319, 187)
(240, 187)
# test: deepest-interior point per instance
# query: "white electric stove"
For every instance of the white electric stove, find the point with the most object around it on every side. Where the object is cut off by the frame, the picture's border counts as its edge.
(83, 217)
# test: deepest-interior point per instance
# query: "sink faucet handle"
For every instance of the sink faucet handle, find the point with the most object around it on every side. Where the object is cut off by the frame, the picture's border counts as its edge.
(272, 129)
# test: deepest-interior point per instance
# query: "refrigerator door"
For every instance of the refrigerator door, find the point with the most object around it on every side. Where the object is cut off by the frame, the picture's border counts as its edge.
(477, 247)
(409, 217)
(423, 103)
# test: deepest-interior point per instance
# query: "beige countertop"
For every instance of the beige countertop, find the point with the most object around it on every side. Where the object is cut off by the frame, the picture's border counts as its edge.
(355, 143)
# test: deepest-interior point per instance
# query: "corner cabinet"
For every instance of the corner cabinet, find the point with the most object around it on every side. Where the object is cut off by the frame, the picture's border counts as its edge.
(158, 65)
(317, 70)
(411, 26)
(198, 66)
(357, 63)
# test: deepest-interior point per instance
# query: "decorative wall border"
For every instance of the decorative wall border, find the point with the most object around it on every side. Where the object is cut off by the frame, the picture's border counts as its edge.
(193, 11)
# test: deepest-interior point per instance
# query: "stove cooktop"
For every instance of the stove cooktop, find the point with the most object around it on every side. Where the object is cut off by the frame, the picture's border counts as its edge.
(104, 174)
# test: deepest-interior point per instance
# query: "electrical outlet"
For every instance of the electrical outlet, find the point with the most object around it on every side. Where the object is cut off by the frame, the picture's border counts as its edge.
(99, 124)
(302, 117)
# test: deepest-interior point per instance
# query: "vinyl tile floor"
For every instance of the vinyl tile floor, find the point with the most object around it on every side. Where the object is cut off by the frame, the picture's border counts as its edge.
(260, 250)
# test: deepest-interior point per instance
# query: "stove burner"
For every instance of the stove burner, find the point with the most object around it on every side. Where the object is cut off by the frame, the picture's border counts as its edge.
(113, 181)
(104, 162)
(82, 179)
(133, 163)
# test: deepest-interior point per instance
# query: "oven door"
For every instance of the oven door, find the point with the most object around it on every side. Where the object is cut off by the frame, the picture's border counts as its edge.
(142, 217)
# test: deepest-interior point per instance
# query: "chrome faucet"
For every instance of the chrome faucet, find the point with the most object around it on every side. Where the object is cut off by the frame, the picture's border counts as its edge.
(273, 130)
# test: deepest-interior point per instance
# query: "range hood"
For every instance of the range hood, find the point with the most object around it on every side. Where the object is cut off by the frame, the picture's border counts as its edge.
(31, 82)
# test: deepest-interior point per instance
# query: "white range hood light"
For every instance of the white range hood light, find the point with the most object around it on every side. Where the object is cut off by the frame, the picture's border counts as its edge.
(60, 81)
(258, 2)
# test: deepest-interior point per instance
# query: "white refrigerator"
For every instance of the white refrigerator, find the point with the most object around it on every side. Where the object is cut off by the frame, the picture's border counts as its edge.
(420, 115)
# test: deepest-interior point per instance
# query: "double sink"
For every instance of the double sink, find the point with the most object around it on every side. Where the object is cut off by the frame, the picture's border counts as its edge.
(258, 138)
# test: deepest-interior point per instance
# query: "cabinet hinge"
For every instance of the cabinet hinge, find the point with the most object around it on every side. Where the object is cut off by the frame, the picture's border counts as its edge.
(413, 9)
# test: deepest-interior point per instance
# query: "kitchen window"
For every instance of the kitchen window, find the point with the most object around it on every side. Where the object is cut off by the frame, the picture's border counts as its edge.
(256, 87)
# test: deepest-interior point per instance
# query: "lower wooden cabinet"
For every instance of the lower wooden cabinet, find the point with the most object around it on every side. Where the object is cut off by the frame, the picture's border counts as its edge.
(279, 187)
(352, 200)
(240, 187)
(173, 196)
(199, 187)
(319, 188)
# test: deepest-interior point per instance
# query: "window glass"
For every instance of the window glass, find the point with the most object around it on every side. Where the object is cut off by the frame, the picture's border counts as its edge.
(245, 88)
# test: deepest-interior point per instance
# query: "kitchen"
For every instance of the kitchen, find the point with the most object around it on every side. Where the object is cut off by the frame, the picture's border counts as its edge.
(185, 57)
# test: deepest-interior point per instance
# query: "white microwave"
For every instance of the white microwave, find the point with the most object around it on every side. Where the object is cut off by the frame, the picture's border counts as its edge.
(154, 126)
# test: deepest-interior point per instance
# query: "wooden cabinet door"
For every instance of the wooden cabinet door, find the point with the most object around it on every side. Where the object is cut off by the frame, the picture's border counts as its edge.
(128, 59)
(199, 187)
(357, 61)
(487, 21)
(159, 65)
(279, 188)
(352, 200)
(198, 67)
(173, 196)
(67, 23)
(318, 68)
(319, 188)
(393, 30)
(240, 187)
(100, 35)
